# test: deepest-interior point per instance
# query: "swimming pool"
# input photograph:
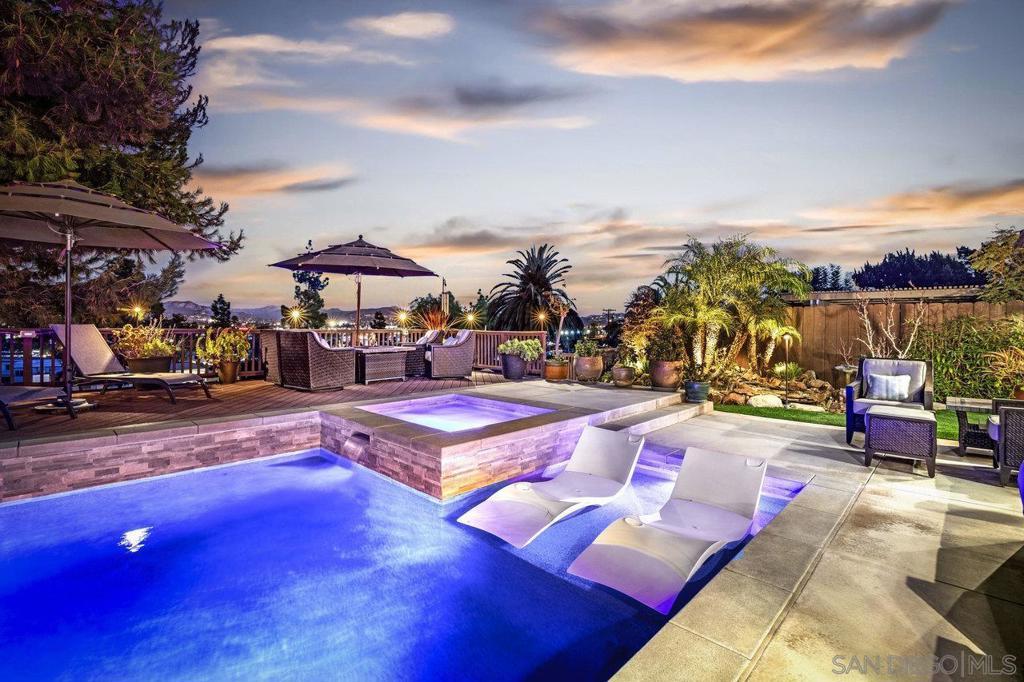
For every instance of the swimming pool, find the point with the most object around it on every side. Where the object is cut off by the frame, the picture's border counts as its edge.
(454, 412)
(305, 566)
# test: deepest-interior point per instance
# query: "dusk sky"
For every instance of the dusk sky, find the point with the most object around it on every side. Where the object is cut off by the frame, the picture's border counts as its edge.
(458, 132)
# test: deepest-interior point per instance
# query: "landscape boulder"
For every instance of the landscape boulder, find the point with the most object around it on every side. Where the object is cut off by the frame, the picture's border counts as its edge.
(765, 400)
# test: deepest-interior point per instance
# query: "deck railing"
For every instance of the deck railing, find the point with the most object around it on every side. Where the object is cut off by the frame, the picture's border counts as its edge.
(33, 356)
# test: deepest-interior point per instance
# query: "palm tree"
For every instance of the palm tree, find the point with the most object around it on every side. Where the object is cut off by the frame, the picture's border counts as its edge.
(521, 303)
(771, 331)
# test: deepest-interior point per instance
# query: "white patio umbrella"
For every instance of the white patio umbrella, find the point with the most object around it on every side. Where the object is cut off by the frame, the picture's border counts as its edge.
(73, 215)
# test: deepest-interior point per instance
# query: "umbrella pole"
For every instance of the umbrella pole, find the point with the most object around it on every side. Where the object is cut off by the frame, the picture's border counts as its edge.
(359, 305)
(69, 243)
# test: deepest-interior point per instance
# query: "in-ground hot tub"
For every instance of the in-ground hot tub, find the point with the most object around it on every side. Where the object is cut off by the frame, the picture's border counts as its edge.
(455, 412)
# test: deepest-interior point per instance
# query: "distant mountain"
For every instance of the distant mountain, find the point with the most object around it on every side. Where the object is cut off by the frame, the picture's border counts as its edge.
(195, 312)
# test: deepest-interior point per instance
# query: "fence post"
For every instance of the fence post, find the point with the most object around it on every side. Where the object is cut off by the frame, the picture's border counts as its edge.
(26, 360)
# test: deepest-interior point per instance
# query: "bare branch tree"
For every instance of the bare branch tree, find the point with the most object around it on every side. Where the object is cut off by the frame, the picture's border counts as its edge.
(884, 336)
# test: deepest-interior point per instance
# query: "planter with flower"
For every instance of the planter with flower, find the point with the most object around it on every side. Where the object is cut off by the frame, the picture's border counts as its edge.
(516, 354)
(556, 368)
(224, 349)
(665, 354)
(145, 348)
(1007, 368)
(589, 361)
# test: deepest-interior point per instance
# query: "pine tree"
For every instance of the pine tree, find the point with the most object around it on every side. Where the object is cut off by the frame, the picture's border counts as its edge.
(379, 321)
(220, 312)
(98, 91)
(308, 300)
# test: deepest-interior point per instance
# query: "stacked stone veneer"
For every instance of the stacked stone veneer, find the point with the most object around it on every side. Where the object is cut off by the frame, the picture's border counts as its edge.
(50, 465)
(439, 464)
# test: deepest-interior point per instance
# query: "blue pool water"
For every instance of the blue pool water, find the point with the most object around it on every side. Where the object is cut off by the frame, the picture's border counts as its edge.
(304, 567)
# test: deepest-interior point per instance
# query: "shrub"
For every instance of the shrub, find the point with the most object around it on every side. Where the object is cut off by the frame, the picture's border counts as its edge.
(527, 349)
(229, 344)
(786, 370)
(957, 349)
(667, 344)
(145, 341)
(1007, 368)
(586, 348)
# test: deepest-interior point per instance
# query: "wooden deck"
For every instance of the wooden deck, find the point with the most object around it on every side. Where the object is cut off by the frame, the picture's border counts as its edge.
(125, 407)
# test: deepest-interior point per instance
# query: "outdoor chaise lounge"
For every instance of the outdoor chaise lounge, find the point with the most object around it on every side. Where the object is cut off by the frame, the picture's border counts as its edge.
(867, 391)
(10, 395)
(453, 358)
(598, 471)
(95, 363)
(1006, 428)
(652, 557)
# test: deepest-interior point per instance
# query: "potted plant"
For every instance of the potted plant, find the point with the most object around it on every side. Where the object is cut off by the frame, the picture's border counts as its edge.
(664, 353)
(515, 354)
(556, 368)
(225, 349)
(1007, 367)
(145, 348)
(589, 362)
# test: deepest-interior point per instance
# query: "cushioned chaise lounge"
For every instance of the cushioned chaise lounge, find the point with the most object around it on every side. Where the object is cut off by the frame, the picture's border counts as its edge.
(95, 363)
(598, 471)
(651, 557)
(860, 396)
(11, 395)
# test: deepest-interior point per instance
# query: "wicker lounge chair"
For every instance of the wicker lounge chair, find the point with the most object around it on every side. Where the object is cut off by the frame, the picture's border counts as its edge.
(1006, 428)
(10, 395)
(858, 402)
(270, 353)
(652, 557)
(309, 364)
(451, 359)
(598, 472)
(95, 363)
(416, 359)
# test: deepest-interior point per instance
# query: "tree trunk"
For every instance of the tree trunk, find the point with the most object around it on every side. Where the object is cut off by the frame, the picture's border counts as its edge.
(752, 352)
(738, 342)
(769, 351)
(711, 345)
(698, 347)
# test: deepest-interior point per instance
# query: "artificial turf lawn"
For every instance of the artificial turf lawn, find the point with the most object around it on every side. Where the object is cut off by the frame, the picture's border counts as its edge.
(947, 428)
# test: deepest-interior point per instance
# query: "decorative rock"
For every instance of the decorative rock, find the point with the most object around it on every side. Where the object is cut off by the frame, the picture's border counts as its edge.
(734, 398)
(766, 400)
(806, 408)
(808, 375)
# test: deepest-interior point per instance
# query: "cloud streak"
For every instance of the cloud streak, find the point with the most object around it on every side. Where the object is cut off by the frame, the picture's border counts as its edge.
(410, 25)
(752, 40)
(270, 178)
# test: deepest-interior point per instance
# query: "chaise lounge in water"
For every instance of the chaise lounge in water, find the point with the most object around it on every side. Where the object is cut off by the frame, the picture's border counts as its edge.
(651, 558)
(598, 471)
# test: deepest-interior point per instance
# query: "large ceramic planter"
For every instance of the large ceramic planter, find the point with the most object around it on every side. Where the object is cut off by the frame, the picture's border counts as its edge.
(1018, 394)
(556, 371)
(623, 377)
(589, 369)
(150, 365)
(512, 367)
(227, 371)
(696, 391)
(666, 375)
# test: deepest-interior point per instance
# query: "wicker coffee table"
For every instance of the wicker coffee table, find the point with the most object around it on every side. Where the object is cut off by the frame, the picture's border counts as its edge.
(901, 432)
(380, 363)
(971, 435)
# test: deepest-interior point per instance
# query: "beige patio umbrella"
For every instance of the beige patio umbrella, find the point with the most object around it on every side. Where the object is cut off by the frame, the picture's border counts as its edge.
(73, 215)
(356, 258)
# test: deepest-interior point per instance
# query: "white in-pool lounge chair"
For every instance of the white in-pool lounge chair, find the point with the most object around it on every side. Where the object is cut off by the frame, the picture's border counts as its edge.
(651, 558)
(598, 472)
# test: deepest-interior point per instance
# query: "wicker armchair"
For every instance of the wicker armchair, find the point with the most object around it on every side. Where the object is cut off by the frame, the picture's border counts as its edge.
(1006, 428)
(416, 358)
(857, 402)
(270, 354)
(452, 360)
(309, 364)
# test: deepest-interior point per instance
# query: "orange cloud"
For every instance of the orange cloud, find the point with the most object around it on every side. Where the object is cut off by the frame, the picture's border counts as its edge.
(269, 178)
(746, 41)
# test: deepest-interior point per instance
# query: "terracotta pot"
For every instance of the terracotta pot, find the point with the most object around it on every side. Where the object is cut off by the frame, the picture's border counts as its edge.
(556, 371)
(1019, 394)
(666, 375)
(696, 391)
(512, 367)
(150, 365)
(227, 371)
(623, 377)
(589, 369)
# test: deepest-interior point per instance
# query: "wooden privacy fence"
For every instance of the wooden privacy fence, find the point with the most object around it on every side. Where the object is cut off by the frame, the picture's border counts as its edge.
(826, 328)
(33, 356)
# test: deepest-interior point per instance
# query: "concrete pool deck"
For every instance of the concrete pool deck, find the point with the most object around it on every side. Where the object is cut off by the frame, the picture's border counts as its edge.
(865, 562)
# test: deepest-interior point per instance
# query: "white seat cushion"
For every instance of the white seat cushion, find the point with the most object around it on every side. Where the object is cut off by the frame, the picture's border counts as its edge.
(993, 427)
(862, 405)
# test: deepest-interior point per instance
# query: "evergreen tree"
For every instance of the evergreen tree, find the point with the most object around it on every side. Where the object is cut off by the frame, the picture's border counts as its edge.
(308, 300)
(98, 91)
(379, 321)
(830, 278)
(1001, 259)
(220, 311)
(905, 269)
